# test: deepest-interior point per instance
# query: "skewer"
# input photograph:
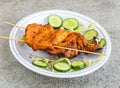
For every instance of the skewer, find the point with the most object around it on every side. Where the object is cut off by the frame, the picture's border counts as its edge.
(56, 46)
(83, 51)
(4, 37)
(13, 24)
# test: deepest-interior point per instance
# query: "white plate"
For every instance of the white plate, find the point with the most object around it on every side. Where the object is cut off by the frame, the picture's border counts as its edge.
(21, 52)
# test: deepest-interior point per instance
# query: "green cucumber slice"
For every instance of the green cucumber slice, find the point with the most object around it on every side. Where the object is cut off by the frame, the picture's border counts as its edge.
(77, 65)
(102, 42)
(39, 63)
(61, 66)
(55, 21)
(70, 23)
(90, 34)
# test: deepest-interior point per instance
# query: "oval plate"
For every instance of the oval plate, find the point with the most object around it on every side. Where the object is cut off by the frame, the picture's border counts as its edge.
(21, 52)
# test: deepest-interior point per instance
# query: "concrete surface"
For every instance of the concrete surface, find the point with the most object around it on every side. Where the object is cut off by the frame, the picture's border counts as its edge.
(14, 75)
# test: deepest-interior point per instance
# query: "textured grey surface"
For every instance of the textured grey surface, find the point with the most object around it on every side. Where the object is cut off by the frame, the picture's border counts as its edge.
(14, 75)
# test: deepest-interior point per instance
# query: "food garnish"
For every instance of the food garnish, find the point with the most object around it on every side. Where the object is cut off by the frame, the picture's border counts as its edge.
(40, 63)
(63, 64)
(55, 21)
(70, 24)
(78, 65)
(102, 43)
(60, 65)
(90, 34)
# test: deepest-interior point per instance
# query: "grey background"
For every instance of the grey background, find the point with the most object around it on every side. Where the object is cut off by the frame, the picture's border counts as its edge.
(14, 75)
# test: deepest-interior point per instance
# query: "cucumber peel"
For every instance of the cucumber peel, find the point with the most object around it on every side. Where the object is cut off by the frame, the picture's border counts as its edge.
(90, 34)
(102, 42)
(61, 66)
(55, 21)
(77, 65)
(70, 23)
(39, 63)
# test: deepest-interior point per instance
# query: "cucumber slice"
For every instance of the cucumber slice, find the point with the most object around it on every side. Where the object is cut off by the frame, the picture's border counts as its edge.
(90, 34)
(77, 65)
(39, 63)
(70, 23)
(61, 66)
(55, 21)
(102, 42)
